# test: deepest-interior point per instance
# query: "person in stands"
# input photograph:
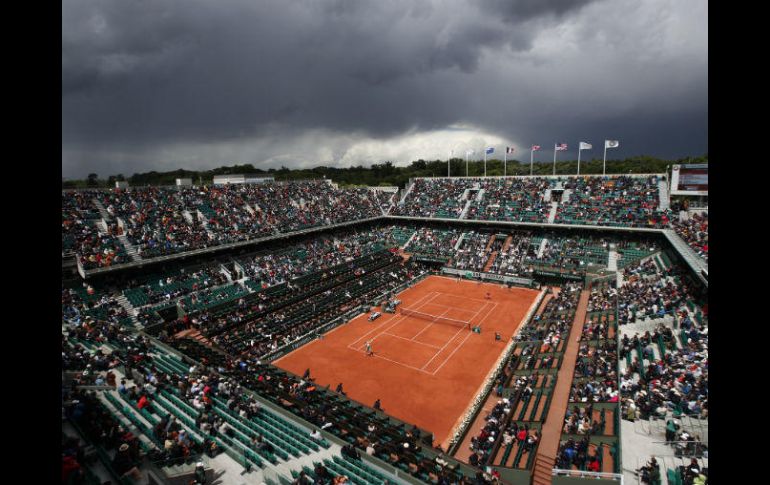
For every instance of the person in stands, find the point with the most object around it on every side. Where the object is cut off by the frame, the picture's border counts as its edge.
(124, 465)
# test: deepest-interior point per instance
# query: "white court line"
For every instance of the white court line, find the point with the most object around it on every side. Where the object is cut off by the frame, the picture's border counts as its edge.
(428, 326)
(466, 338)
(498, 285)
(415, 341)
(464, 297)
(382, 324)
(453, 353)
(480, 310)
(394, 361)
(395, 321)
(442, 348)
(421, 305)
(494, 306)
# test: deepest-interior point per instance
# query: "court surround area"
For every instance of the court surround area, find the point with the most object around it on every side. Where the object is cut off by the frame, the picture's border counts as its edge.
(424, 372)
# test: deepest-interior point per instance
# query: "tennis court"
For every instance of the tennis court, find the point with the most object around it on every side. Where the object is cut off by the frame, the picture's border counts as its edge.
(427, 364)
(425, 336)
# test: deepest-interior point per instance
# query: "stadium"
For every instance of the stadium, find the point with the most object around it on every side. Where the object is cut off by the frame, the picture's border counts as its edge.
(456, 330)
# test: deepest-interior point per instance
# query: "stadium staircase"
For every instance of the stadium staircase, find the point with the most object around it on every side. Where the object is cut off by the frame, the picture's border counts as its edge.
(552, 213)
(131, 250)
(490, 242)
(490, 261)
(248, 209)
(541, 249)
(102, 211)
(542, 474)
(195, 335)
(226, 272)
(612, 259)
(123, 301)
(665, 200)
(467, 207)
(406, 193)
(506, 244)
(101, 227)
(188, 217)
(205, 223)
(547, 195)
(459, 241)
(493, 256)
(414, 234)
(565, 195)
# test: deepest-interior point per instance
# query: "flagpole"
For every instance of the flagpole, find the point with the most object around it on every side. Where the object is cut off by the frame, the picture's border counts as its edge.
(579, 159)
(505, 163)
(485, 162)
(531, 154)
(466, 163)
(554, 158)
(449, 164)
(604, 164)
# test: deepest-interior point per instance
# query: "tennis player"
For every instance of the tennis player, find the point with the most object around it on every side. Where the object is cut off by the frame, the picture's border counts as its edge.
(369, 348)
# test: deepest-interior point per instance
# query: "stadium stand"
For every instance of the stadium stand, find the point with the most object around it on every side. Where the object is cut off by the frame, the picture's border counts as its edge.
(445, 198)
(590, 434)
(473, 253)
(437, 244)
(159, 221)
(511, 199)
(695, 232)
(168, 364)
(612, 201)
(511, 434)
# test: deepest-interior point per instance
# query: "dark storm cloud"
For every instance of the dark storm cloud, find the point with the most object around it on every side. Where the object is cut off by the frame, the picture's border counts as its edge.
(146, 84)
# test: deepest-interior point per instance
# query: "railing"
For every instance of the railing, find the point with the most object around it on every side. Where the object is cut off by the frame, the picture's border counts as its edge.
(303, 339)
(192, 460)
(559, 176)
(470, 415)
(222, 247)
(558, 472)
(301, 423)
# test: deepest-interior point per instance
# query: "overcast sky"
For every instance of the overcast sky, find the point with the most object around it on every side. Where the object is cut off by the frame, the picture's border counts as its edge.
(197, 84)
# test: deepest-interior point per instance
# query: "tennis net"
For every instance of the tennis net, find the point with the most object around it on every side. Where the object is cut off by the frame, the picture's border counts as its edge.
(435, 318)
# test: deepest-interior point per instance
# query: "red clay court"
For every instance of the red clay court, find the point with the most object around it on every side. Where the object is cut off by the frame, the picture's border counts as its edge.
(424, 372)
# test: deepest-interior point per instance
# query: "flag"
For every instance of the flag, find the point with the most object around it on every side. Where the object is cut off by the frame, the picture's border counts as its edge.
(469, 152)
(585, 146)
(535, 148)
(490, 150)
(560, 147)
(611, 143)
(508, 150)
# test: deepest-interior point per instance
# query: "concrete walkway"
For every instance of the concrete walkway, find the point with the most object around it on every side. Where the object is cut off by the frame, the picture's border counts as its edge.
(552, 427)
(464, 451)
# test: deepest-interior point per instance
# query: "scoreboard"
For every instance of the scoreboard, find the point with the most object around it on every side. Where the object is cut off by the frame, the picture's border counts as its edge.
(691, 179)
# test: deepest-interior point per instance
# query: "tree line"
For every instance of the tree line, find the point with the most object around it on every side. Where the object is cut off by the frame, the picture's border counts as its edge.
(388, 174)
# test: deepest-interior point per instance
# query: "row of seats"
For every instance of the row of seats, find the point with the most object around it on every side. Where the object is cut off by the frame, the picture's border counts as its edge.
(335, 413)
(511, 435)
(621, 201)
(165, 220)
(591, 430)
